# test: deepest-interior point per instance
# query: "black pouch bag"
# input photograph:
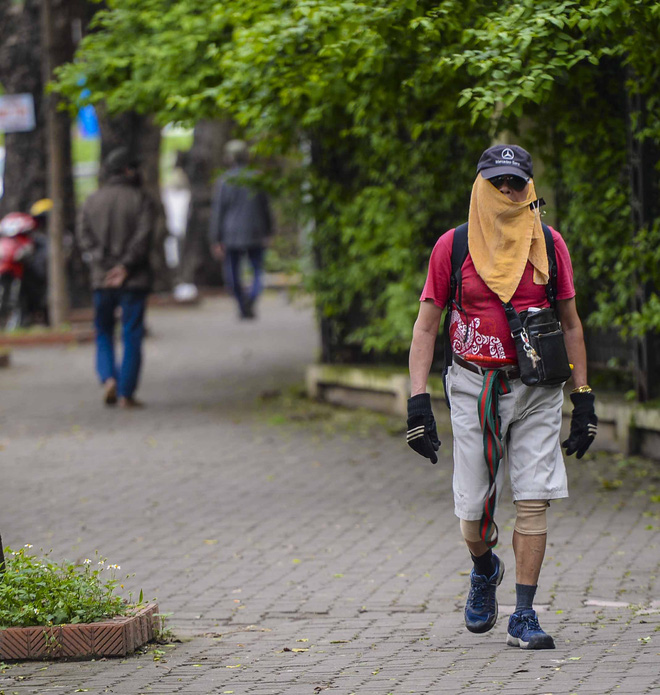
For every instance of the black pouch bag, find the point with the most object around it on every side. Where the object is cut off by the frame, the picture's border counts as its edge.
(540, 347)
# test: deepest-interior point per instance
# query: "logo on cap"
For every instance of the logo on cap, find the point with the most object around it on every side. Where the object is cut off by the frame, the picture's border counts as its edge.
(508, 154)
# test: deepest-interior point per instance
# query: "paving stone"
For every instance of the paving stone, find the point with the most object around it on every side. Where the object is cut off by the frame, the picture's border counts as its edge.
(260, 535)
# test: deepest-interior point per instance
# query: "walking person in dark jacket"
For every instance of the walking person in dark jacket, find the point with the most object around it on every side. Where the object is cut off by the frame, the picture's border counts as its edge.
(115, 234)
(241, 226)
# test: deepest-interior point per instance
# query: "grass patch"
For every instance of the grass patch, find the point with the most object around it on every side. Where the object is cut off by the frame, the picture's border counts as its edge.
(178, 140)
(292, 408)
(85, 150)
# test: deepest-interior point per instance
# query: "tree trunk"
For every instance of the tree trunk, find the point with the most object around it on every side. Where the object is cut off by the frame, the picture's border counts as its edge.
(26, 162)
(334, 166)
(20, 72)
(142, 136)
(643, 156)
(63, 49)
(200, 164)
(57, 48)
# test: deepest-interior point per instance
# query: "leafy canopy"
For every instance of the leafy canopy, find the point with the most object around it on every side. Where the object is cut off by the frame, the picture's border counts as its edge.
(386, 106)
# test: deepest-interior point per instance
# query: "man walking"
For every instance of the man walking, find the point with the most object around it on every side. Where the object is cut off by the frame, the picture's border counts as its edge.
(241, 226)
(115, 236)
(493, 413)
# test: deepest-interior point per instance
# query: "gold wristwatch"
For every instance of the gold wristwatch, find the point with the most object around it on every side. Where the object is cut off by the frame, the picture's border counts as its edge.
(582, 389)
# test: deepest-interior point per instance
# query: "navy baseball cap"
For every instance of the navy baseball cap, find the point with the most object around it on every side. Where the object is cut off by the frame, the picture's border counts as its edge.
(505, 159)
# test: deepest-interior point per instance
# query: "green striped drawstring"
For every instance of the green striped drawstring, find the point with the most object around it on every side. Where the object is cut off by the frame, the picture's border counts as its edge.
(495, 385)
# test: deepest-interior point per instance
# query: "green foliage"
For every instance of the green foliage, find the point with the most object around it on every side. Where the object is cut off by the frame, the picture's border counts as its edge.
(35, 591)
(385, 107)
(391, 160)
(569, 68)
(141, 54)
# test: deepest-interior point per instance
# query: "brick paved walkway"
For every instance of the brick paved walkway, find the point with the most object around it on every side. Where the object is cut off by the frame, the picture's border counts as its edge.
(302, 550)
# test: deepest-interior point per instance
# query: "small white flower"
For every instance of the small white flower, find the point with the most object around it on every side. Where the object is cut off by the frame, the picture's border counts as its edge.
(113, 567)
(36, 611)
(100, 562)
(87, 561)
(28, 545)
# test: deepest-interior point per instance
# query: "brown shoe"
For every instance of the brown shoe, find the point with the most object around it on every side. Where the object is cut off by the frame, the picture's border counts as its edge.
(129, 402)
(110, 391)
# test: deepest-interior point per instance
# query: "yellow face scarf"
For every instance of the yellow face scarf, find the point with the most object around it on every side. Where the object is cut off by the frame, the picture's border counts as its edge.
(503, 236)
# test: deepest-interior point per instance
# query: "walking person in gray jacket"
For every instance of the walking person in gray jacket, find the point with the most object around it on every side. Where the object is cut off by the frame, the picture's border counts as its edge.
(115, 234)
(241, 226)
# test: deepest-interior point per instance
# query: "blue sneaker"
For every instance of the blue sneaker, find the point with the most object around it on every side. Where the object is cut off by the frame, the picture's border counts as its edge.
(481, 605)
(525, 632)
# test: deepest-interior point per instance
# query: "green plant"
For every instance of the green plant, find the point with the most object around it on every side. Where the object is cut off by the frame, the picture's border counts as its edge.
(162, 633)
(386, 106)
(36, 591)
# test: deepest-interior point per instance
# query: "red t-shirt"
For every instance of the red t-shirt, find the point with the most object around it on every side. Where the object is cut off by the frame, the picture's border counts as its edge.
(482, 334)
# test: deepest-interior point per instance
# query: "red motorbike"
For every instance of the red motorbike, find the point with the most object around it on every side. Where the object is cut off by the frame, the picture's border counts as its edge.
(16, 247)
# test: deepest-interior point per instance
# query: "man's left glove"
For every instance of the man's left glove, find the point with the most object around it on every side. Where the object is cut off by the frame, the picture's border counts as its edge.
(422, 434)
(584, 424)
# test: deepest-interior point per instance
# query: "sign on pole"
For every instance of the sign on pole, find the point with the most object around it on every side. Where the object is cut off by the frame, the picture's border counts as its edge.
(17, 113)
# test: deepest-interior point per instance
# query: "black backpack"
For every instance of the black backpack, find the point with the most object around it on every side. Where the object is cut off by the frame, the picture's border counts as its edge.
(459, 252)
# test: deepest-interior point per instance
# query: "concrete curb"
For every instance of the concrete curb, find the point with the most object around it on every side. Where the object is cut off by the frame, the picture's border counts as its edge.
(46, 338)
(627, 428)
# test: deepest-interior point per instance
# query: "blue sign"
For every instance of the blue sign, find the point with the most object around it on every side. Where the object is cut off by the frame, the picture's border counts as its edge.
(88, 123)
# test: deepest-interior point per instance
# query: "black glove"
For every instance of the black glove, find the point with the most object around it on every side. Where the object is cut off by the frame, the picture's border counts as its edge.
(584, 424)
(422, 434)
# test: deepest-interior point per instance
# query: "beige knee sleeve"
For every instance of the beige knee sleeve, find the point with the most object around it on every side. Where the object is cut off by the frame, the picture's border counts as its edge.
(470, 530)
(530, 517)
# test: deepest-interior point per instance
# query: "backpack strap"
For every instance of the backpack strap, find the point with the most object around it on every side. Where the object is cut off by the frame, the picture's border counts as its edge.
(551, 287)
(459, 252)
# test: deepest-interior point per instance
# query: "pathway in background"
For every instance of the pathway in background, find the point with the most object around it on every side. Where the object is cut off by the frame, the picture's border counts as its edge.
(301, 549)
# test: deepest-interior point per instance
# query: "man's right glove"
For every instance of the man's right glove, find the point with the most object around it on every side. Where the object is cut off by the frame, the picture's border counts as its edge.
(422, 434)
(584, 424)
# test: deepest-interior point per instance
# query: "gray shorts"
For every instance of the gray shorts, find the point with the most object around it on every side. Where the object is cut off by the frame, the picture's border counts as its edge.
(530, 425)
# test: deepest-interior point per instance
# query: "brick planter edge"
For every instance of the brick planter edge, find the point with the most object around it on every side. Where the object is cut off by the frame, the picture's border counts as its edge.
(118, 636)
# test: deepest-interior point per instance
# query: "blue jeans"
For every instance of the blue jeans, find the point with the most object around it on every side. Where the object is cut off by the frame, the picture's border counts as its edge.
(233, 275)
(133, 304)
